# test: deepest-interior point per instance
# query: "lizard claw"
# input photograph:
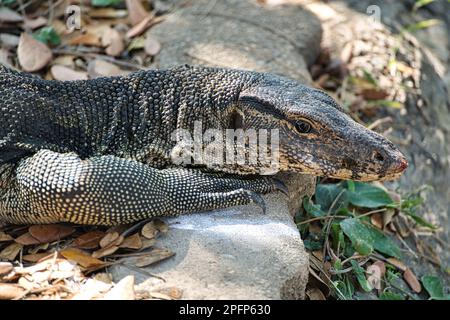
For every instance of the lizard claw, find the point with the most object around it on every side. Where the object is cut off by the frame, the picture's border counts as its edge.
(258, 200)
(280, 186)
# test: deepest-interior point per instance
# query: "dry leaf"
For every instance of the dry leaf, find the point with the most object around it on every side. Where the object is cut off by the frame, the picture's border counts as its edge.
(50, 232)
(33, 55)
(412, 281)
(10, 291)
(27, 239)
(90, 240)
(64, 60)
(161, 225)
(375, 273)
(9, 16)
(112, 40)
(80, 257)
(107, 13)
(387, 216)
(132, 242)
(149, 230)
(147, 243)
(11, 251)
(315, 294)
(5, 237)
(64, 73)
(374, 94)
(172, 292)
(88, 39)
(35, 257)
(100, 68)
(136, 11)
(124, 290)
(140, 27)
(103, 252)
(109, 239)
(9, 41)
(377, 220)
(152, 257)
(151, 46)
(5, 267)
(35, 23)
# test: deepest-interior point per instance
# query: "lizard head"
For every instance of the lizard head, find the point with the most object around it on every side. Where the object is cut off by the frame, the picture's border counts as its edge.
(315, 135)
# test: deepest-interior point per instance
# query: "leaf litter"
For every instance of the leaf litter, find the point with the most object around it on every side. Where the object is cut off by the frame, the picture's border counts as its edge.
(61, 261)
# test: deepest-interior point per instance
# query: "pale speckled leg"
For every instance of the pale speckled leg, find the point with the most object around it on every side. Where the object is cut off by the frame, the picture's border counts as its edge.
(52, 187)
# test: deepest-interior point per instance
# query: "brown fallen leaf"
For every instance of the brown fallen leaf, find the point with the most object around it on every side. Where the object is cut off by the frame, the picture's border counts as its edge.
(140, 27)
(90, 240)
(64, 73)
(33, 55)
(161, 225)
(50, 232)
(35, 23)
(149, 230)
(82, 258)
(5, 267)
(152, 257)
(11, 251)
(27, 239)
(10, 291)
(36, 257)
(113, 41)
(152, 45)
(172, 292)
(9, 41)
(397, 263)
(87, 39)
(5, 237)
(111, 239)
(412, 281)
(147, 243)
(375, 273)
(315, 294)
(103, 252)
(374, 94)
(136, 11)
(377, 220)
(64, 60)
(132, 242)
(9, 16)
(99, 68)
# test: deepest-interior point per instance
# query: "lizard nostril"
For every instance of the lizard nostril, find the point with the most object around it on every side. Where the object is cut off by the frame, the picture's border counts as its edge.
(378, 156)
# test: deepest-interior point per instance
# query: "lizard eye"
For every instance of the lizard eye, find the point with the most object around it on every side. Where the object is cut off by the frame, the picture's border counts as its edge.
(302, 126)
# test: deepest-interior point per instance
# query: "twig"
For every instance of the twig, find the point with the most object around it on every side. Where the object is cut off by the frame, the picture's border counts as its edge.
(321, 218)
(330, 221)
(378, 122)
(148, 274)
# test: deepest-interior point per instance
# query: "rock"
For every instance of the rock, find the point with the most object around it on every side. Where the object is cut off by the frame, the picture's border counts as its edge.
(237, 253)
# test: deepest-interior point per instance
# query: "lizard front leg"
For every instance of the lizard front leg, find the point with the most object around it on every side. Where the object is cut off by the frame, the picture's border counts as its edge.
(106, 190)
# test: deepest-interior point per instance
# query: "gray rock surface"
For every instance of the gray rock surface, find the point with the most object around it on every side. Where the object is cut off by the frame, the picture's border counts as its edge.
(237, 253)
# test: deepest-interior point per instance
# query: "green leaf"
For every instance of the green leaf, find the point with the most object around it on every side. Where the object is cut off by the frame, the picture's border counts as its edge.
(370, 78)
(363, 247)
(48, 35)
(388, 103)
(421, 3)
(421, 221)
(312, 209)
(360, 276)
(105, 3)
(434, 287)
(391, 296)
(312, 245)
(7, 3)
(360, 233)
(326, 194)
(423, 25)
(368, 196)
